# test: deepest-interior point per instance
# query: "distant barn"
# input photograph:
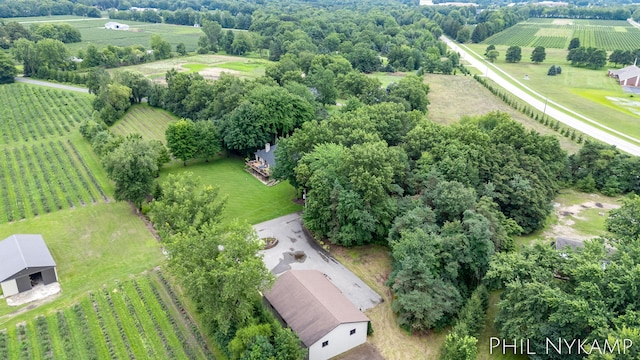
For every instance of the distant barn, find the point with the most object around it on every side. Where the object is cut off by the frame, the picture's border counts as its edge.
(25, 261)
(116, 26)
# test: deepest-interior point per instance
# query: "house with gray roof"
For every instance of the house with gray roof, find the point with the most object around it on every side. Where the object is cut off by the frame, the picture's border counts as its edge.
(262, 163)
(25, 261)
(324, 319)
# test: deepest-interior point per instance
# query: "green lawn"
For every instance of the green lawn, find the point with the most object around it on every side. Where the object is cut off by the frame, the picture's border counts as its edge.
(91, 245)
(145, 120)
(585, 91)
(247, 198)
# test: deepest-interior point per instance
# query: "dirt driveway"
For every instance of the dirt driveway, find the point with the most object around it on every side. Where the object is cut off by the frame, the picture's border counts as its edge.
(297, 250)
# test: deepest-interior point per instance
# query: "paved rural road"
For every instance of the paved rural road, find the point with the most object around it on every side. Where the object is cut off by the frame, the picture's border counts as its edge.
(50, 84)
(576, 121)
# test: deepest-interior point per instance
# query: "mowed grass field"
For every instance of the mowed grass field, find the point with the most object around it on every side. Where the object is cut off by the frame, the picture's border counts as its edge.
(453, 97)
(586, 91)
(557, 33)
(142, 119)
(209, 66)
(138, 318)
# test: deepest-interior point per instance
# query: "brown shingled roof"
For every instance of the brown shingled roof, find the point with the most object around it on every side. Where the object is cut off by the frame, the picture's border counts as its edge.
(311, 305)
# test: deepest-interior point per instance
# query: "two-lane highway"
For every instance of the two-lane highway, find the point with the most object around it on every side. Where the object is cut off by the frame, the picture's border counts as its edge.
(550, 107)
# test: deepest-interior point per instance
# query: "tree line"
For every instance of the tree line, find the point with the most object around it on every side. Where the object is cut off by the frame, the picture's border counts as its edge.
(188, 17)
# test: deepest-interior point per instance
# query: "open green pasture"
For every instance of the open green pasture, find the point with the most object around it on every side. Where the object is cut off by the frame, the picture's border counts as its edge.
(209, 66)
(247, 198)
(138, 318)
(139, 33)
(45, 165)
(604, 34)
(586, 91)
(145, 120)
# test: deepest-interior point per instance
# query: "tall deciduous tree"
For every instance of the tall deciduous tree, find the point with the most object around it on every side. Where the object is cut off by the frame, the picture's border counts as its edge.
(208, 142)
(8, 71)
(112, 102)
(181, 140)
(574, 44)
(538, 54)
(161, 48)
(132, 166)
(185, 204)
(219, 268)
(514, 54)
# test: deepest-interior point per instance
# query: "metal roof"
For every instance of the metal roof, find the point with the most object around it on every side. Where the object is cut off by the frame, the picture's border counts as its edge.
(626, 72)
(23, 251)
(311, 305)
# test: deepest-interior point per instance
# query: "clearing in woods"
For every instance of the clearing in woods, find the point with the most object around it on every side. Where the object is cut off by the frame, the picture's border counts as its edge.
(145, 120)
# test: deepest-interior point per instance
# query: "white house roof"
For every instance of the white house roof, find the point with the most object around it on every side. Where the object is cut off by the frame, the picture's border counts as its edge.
(20, 251)
(311, 305)
(626, 72)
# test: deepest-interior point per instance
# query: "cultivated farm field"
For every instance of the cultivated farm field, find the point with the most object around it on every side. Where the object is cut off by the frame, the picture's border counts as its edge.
(44, 166)
(139, 33)
(139, 318)
(603, 34)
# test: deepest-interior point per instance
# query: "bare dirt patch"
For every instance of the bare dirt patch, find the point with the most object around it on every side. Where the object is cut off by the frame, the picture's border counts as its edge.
(569, 214)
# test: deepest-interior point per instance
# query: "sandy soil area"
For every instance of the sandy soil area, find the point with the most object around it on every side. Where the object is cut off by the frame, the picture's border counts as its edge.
(567, 216)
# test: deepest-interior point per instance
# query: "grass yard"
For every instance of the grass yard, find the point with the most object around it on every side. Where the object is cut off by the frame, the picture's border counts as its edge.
(145, 120)
(138, 318)
(452, 97)
(91, 245)
(586, 91)
(372, 264)
(209, 66)
(247, 198)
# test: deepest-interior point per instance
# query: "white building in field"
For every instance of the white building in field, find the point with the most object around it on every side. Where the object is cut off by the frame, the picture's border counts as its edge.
(327, 322)
(116, 26)
(25, 262)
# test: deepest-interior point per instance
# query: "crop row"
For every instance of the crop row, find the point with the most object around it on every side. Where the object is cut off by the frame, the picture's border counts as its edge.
(40, 178)
(32, 113)
(191, 324)
(131, 321)
(599, 36)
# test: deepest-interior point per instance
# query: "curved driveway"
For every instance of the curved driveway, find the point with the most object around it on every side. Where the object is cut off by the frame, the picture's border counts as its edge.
(548, 106)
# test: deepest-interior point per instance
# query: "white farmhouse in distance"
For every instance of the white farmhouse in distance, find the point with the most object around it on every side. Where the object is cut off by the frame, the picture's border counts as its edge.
(116, 26)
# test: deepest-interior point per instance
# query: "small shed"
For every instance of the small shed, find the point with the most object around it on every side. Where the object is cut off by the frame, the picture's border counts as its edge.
(25, 261)
(111, 25)
(325, 320)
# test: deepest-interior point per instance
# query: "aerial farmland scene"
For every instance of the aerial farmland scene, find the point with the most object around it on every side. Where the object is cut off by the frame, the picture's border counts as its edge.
(327, 179)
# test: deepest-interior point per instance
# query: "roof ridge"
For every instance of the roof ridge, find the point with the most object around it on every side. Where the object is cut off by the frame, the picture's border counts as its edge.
(315, 297)
(24, 261)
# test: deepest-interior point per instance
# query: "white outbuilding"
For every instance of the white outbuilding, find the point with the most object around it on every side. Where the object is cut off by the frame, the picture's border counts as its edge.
(25, 262)
(325, 320)
(111, 25)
